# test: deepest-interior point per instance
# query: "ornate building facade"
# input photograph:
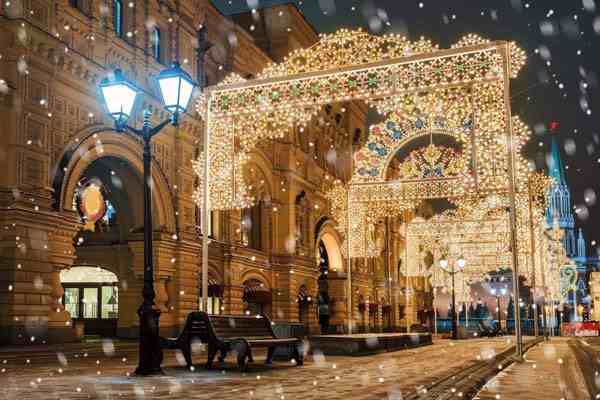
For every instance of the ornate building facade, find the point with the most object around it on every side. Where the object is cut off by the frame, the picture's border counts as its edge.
(71, 206)
(560, 212)
(559, 206)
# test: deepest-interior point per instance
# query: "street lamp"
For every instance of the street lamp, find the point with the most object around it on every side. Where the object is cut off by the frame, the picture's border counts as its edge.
(497, 293)
(176, 88)
(460, 263)
(119, 96)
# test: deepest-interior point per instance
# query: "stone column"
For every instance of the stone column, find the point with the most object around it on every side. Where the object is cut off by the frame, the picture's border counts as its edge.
(58, 318)
(130, 298)
(233, 291)
(380, 317)
(232, 300)
(313, 321)
(184, 270)
(337, 306)
(285, 307)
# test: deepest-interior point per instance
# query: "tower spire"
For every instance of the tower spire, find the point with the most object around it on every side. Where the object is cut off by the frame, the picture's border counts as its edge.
(580, 245)
(557, 171)
(559, 200)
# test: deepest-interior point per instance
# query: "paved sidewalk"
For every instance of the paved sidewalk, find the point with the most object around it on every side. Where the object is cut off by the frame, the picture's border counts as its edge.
(549, 372)
(88, 375)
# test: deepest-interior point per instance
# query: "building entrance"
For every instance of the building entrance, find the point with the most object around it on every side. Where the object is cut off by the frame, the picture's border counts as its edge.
(92, 298)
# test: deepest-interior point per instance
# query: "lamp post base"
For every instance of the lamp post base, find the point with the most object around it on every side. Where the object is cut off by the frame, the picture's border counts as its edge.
(151, 355)
(518, 358)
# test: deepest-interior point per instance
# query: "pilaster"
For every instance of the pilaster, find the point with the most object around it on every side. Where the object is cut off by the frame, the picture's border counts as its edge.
(35, 245)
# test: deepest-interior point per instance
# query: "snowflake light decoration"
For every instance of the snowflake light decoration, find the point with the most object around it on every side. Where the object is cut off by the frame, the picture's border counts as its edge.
(431, 162)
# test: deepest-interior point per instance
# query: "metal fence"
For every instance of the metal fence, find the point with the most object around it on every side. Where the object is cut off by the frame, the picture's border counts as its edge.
(444, 325)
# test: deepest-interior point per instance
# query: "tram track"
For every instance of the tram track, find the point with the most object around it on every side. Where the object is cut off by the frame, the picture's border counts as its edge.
(466, 382)
(588, 359)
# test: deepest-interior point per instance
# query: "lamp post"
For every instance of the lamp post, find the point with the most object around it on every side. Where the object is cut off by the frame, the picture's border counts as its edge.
(496, 293)
(119, 97)
(460, 263)
(435, 328)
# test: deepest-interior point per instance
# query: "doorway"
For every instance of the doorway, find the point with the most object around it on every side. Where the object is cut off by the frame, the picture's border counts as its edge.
(257, 298)
(91, 296)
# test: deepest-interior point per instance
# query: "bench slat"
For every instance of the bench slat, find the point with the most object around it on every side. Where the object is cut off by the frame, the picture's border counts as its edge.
(228, 332)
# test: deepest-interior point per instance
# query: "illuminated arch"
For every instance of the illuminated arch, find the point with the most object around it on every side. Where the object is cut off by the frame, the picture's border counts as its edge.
(88, 274)
(347, 65)
(346, 48)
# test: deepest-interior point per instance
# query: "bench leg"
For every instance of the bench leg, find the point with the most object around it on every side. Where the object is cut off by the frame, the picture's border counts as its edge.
(223, 355)
(243, 354)
(270, 353)
(297, 354)
(212, 352)
(186, 349)
(249, 353)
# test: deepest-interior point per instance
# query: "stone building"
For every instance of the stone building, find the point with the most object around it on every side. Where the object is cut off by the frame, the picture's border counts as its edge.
(71, 215)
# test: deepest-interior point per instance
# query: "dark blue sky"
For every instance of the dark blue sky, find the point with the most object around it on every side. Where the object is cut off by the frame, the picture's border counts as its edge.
(560, 82)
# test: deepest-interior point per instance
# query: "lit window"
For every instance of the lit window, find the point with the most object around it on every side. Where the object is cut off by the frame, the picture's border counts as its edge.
(156, 44)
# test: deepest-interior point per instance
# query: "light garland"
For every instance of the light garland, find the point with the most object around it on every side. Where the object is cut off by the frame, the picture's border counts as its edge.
(422, 90)
(479, 231)
(430, 162)
(292, 92)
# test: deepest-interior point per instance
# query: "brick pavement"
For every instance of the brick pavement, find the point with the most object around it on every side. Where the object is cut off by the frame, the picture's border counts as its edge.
(549, 372)
(97, 376)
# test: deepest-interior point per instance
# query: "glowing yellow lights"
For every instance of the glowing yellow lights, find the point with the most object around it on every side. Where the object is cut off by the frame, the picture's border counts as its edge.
(478, 230)
(455, 94)
(347, 48)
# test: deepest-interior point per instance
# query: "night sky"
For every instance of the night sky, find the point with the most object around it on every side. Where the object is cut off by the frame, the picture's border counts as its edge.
(559, 83)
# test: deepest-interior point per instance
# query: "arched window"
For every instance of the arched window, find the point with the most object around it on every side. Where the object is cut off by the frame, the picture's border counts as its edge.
(81, 5)
(256, 232)
(323, 259)
(118, 17)
(215, 296)
(155, 45)
(257, 298)
(252, 226)
(211, 221)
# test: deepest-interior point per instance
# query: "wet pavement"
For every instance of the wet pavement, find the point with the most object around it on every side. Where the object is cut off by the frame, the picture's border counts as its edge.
(103, 371)
(549, 372)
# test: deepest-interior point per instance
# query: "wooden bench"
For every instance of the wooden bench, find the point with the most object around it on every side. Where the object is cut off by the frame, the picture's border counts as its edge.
(224, 333)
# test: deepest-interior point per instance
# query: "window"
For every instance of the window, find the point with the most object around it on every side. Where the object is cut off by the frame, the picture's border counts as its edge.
(252, 226)
(155, 44)
(90, 302)
(215, 293)
(71, 301)
(211, 221)
(214, 305)
(118, 17)
(81, 5)
(109, 305)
